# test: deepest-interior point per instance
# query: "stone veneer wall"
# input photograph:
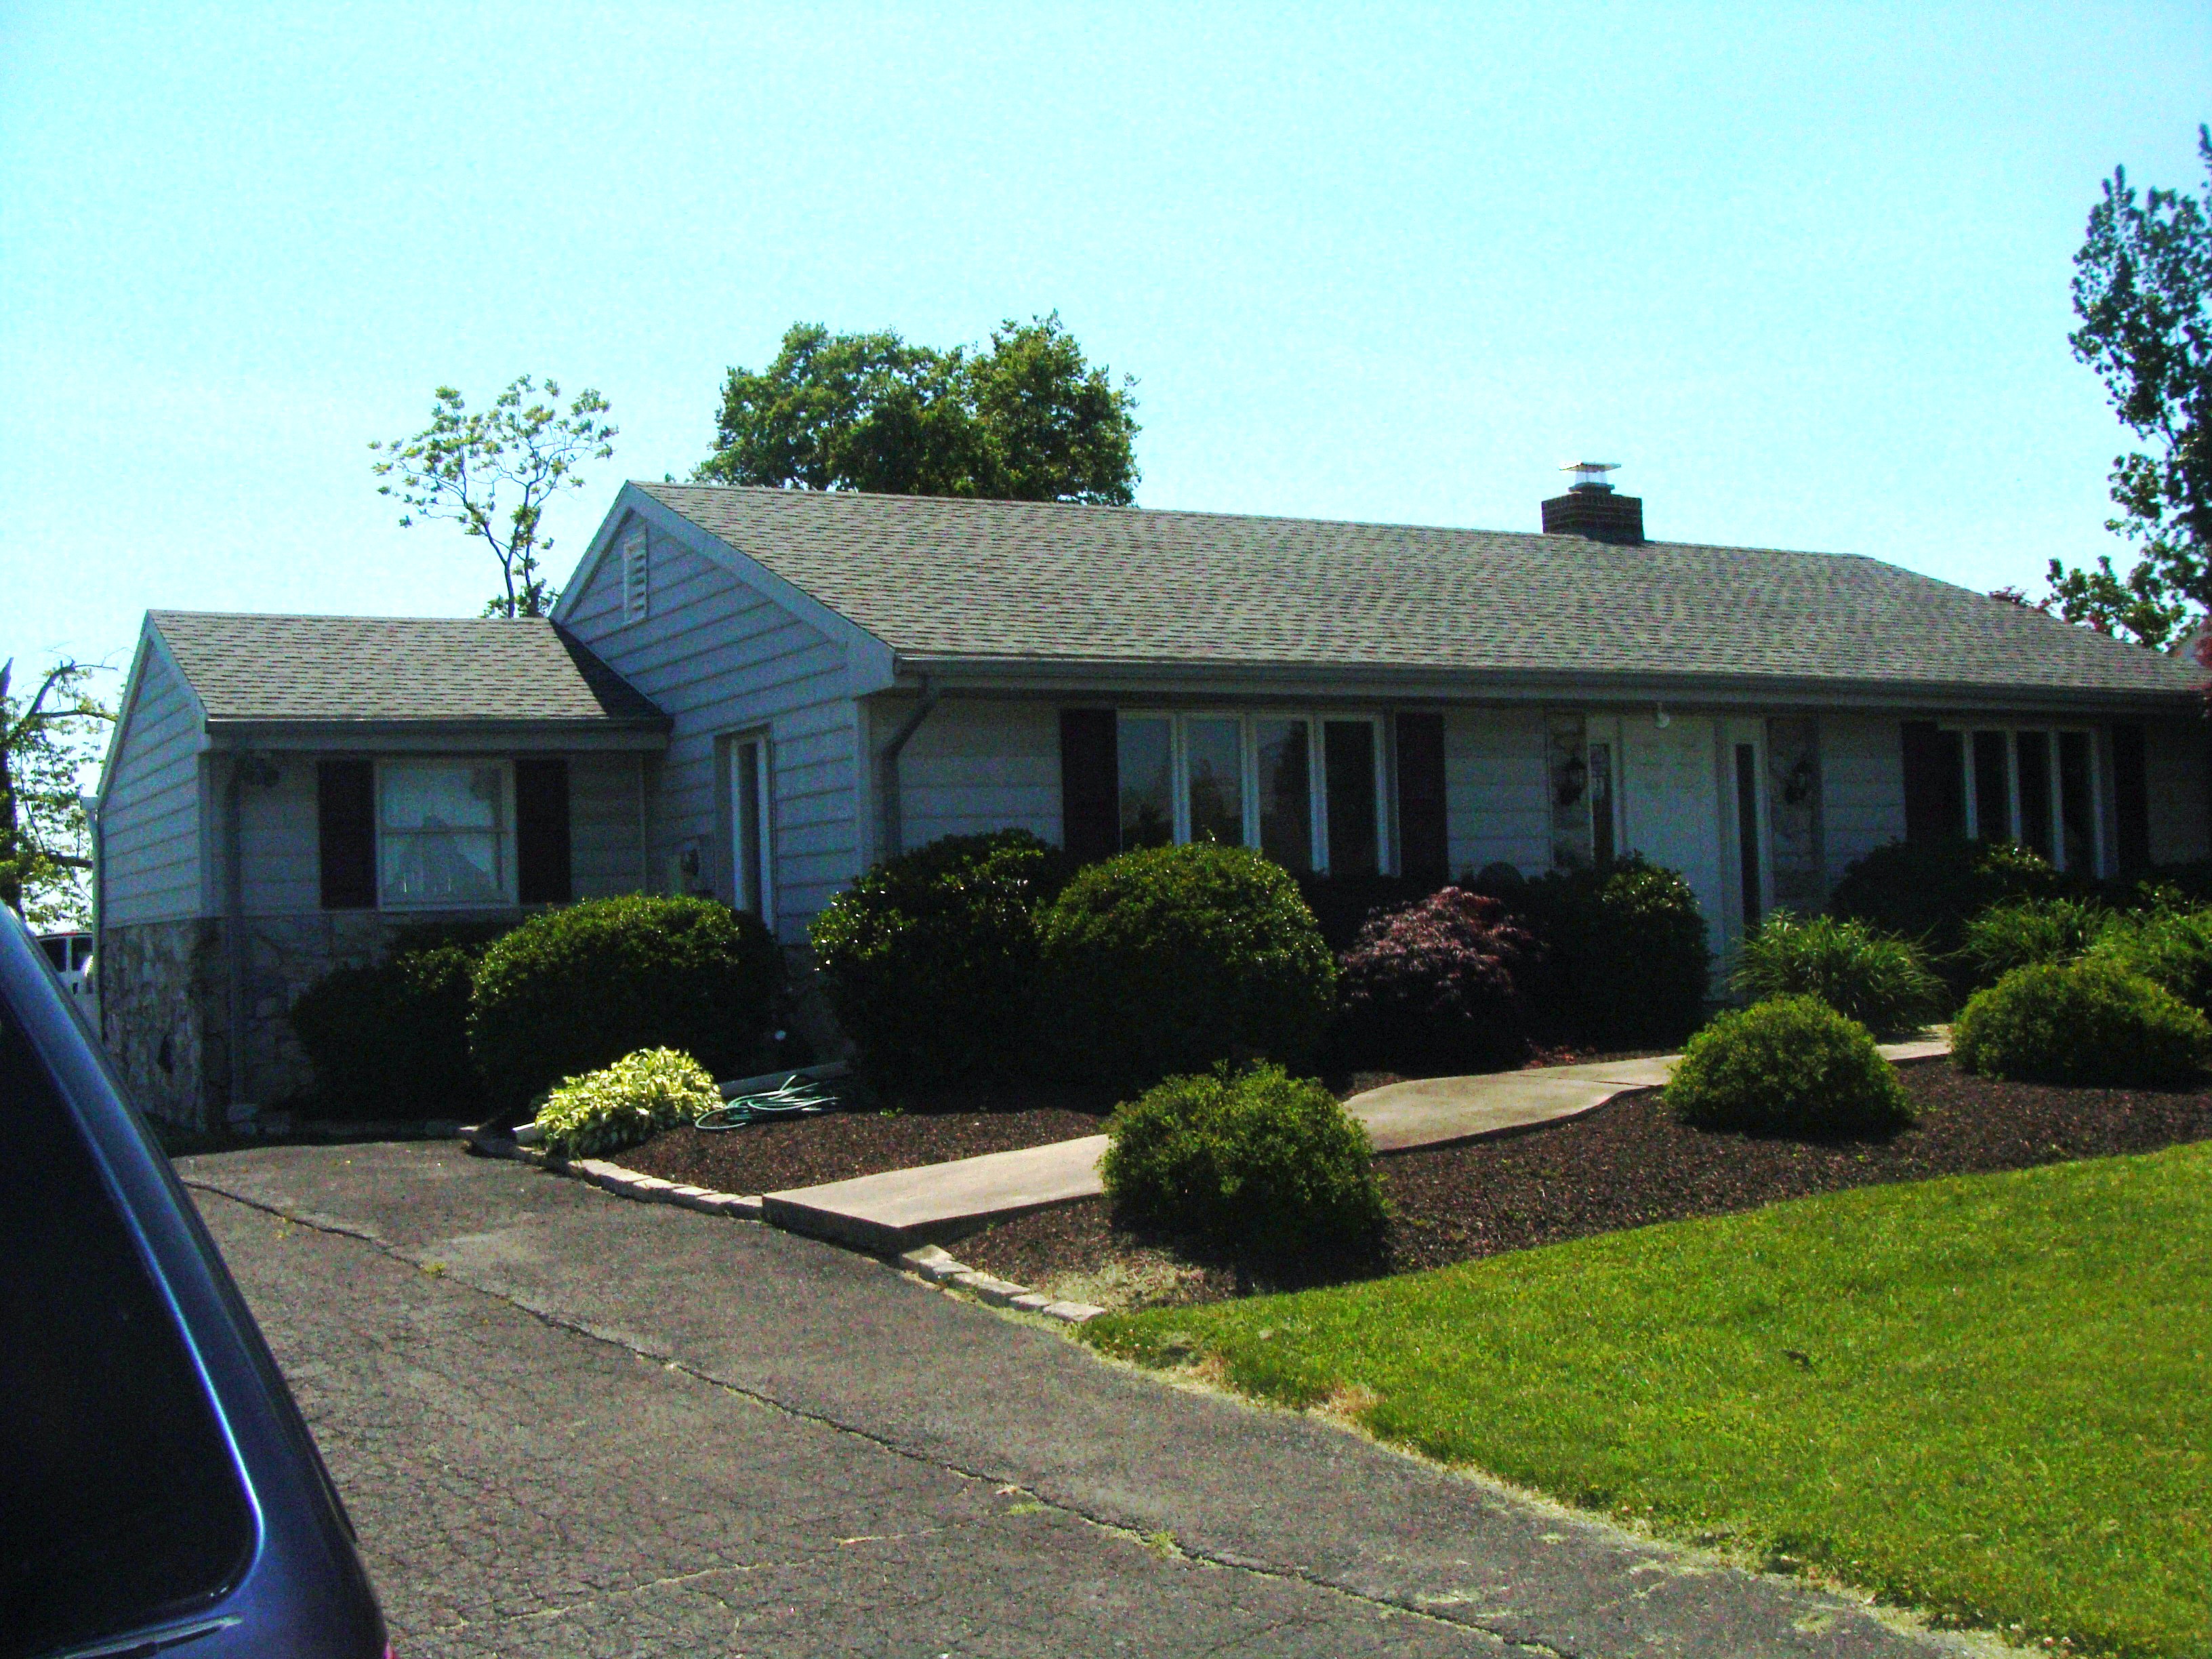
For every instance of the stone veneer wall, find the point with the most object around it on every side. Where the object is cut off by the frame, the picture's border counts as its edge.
(165, 988)
(154, 980)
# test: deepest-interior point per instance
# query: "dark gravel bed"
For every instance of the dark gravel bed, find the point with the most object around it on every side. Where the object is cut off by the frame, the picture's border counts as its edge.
(768, 1158)
(1625, 1165)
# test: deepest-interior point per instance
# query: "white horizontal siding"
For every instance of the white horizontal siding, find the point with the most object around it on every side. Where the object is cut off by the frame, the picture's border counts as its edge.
(717, 657)
(976, 766)
(150, 828)
(1495, 803)
(278, 841)
(1861, 786)
(2175, 770)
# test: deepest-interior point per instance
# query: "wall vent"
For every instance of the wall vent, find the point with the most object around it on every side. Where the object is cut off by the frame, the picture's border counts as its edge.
(637, 577)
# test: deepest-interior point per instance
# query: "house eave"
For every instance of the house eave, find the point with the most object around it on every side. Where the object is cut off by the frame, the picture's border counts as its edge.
(1427, 683)
(442, 736)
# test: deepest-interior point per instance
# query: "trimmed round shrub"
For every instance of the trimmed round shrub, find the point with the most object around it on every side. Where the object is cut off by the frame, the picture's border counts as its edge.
(2171, 948)
(392, 1040)
(576, 988)
(1260, 1164)
(1624, 962)
(1927, 892)
(930, 962)
(1430, 988)
(1792, 1066)
(622, 1104)
(2026, 932)
(1881, 982)
(2086, 1022)
(1174, 958)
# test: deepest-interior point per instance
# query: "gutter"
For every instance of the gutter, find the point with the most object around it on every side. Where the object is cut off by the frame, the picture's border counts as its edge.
(894, 839)
(1350, 683)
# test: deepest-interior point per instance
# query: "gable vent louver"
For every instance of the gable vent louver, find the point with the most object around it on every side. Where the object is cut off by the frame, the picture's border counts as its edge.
(637, 578)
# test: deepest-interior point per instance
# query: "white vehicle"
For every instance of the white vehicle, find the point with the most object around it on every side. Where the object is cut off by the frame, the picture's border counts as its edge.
(70, 953)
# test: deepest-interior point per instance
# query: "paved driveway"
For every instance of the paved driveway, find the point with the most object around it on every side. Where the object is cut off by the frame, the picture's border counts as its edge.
(568, 1424)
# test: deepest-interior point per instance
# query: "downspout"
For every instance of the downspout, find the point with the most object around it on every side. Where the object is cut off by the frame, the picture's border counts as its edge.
(894, 841)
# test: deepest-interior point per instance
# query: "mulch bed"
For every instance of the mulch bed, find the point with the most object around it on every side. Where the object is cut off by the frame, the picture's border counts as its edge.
(771, 1157)
(934, 1128)
(1626, 1164)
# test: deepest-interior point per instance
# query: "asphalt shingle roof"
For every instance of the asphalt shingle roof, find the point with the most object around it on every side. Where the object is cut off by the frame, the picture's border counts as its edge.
(1014, 581)
(396, 669)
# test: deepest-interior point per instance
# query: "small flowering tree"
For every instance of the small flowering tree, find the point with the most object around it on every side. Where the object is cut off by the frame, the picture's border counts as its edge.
(1431, 986)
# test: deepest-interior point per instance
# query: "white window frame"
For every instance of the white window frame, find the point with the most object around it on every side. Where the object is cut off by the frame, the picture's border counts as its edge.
(1316, 722)
(503, 832)
(2053, 731)
(759, 811)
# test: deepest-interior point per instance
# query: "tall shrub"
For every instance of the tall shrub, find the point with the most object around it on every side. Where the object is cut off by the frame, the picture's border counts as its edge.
(392, 1040)
(1927, 892)
(2021, 932)
(575, 989)
(1432, 987)
(1173, 958)
(1624, 958)
(930, 962)
(2171, 948)
(1881, 982)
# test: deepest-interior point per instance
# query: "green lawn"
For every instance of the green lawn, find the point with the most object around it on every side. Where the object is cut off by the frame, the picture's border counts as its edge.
(1999, 1407)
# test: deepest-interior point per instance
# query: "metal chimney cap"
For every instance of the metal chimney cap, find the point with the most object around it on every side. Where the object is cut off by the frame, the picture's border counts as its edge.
(1591, 474)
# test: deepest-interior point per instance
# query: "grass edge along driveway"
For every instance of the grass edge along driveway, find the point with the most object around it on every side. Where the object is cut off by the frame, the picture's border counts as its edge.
(1989, 1397)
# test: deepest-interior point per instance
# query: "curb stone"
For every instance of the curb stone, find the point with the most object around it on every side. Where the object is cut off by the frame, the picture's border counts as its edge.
(624, 1183)
(932, 1264)
(936, 1266)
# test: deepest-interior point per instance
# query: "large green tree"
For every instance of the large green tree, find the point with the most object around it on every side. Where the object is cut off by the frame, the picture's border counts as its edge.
(45, 739)
(1025, 419)
(468, 464)
(2143, 291)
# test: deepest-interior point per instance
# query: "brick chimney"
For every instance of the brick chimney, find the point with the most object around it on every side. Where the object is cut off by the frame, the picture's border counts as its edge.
(1590, 508)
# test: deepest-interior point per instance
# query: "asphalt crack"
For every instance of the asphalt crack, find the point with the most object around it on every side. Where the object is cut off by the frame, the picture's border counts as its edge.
(660, 1354)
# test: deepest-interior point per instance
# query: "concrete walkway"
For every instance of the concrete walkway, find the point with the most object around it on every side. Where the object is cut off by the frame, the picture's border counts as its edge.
(935, 1202)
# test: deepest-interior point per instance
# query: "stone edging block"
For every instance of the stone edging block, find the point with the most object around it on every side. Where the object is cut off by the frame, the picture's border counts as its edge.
(624, 1183)
(938, 1267)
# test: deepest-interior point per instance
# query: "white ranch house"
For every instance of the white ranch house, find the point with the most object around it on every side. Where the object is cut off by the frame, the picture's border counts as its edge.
(756, 694)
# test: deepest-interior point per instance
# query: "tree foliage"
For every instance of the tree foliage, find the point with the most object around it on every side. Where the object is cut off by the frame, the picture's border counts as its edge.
(45, 738)
(2143, 289)
(1027, 419)
(525, 448)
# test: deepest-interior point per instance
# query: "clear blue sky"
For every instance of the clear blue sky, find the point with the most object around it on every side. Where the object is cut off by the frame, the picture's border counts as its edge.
(1803, 272)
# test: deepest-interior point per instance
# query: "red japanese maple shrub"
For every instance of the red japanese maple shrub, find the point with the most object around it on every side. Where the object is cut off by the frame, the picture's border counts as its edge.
(1430, 988)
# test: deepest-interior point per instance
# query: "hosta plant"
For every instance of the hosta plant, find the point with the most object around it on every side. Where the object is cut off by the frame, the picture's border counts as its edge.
(624, 1103)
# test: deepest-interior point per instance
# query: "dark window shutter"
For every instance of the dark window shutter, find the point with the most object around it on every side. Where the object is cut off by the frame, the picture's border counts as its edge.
(2131, 799)
(1935, 783)
(541, 831)
(1424, 836)
(345, 833)
(1090, 784)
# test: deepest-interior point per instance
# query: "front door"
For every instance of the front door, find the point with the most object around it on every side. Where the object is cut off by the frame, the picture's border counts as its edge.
(1671, 806)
